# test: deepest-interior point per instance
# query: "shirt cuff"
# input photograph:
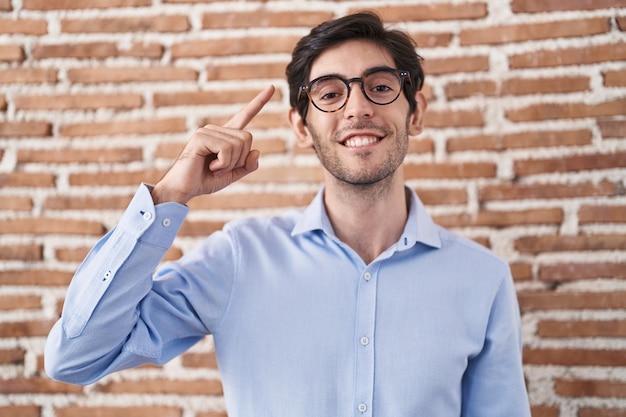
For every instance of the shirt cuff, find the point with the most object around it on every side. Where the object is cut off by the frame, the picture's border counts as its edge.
(156, 225)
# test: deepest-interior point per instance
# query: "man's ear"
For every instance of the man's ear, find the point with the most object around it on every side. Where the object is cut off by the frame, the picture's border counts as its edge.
(416, 124)
(303, 137)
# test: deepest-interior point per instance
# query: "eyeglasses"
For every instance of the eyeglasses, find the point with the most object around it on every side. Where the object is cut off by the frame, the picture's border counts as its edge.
(329, 93)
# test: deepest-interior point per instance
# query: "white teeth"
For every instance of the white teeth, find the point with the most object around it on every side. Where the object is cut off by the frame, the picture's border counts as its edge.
(362, 141)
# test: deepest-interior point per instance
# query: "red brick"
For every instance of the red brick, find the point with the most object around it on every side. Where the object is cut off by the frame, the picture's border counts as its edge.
(27, 179)
(590, 387)
(601, 214)
(450, 170)
(25, 129)
(445, 196)
(86, 202)
(202, 98)
(137, 411)
(36, 277)
(621, 22)
(162, 23)
(521, 271)
(3, 103)
(36, 385)
(612, 128)
(552, 243)
(502, 142)
(229, 201)
(264, 18)
(131, 127)
(130, 74)
(428, 12)
(243, 71)
(5, 6)
(519, 191)
(28, 76)
(71, 254)
(20, 302)
(615, 78)
(572, 271)
(431, 39)
(11, 357)
(545, 85)
(16, 203)
(20, 410)
(11, 53)
(421, 145)
(79, 101)
(454, 118)
(23, 26)
(501, 218)
(264, 120)
(453, 65)
(24, 252)
(535, 31)
(66, 156)
(601, 412)
(544, 411)
(116, 178)
(199, 360)
(570, 163)
(569, 56)
(550, 300)
(26, 328)
(547, 111)
(586, 328)
(43, 225)
(574, 357)
(464, 89)
(536, 6)
(162, 386)
(83, 4)
(234, 46)
(211, 413)
(89, 50)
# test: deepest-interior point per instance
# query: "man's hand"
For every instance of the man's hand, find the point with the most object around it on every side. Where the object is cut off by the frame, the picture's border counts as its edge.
(214, 157)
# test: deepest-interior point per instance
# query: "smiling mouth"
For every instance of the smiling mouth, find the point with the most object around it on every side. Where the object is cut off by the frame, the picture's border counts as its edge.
(360, 141)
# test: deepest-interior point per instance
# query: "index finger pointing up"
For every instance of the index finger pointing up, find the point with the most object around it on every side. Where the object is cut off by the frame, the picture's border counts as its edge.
(245, 115)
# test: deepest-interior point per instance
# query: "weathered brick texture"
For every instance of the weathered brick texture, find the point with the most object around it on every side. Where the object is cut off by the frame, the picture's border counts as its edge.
(524, 151)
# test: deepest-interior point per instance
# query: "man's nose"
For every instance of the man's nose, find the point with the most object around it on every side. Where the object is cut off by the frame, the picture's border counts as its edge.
(357, 104)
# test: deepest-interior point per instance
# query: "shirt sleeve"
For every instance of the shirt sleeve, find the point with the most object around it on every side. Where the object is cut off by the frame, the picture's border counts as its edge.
(493, 384)
(102, 305)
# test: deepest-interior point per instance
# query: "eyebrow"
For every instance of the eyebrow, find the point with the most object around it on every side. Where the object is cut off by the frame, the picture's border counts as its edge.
(364, 73)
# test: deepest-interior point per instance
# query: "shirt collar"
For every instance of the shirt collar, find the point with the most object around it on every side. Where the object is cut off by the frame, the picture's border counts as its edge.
(419, 226)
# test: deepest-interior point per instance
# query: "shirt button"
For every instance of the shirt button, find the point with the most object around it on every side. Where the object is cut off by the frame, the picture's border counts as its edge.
(365, 341)
(362, 408)
(367, 276)
(147, 215)
(166, 222)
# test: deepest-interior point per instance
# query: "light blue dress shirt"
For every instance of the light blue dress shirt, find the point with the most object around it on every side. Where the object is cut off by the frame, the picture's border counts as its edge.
(302, 326)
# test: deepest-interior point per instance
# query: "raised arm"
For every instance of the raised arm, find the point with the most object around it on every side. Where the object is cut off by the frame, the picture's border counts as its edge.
(115, 316)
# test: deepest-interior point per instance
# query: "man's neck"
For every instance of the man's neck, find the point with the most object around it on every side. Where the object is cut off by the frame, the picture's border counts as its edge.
(369, 219)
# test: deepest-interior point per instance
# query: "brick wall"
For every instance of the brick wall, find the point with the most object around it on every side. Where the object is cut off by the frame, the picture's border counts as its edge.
(524, 151)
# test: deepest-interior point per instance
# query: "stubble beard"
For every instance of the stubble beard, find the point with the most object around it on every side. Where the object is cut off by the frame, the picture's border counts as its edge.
(374, 178)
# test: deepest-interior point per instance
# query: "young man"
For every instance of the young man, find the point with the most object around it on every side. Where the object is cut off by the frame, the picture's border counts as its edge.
(355, 306)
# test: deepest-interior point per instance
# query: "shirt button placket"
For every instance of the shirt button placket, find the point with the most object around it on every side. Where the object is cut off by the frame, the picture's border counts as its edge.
(366, 314)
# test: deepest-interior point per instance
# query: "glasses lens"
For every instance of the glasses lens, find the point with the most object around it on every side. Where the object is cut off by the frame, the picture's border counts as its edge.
(382, 87)
(328, 93)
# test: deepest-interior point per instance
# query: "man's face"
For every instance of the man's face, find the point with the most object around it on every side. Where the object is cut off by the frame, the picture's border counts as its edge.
(363, 143)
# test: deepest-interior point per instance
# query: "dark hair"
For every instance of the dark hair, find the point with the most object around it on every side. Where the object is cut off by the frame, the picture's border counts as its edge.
(363, 25)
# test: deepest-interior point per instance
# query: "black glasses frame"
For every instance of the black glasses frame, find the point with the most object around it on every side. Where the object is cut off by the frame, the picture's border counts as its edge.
(402, 75)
